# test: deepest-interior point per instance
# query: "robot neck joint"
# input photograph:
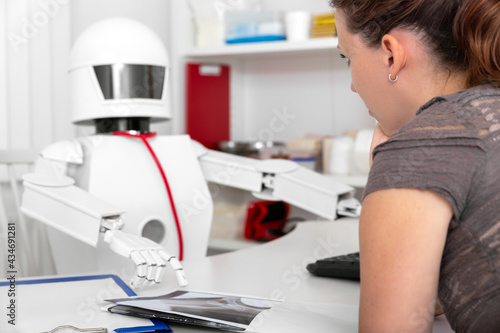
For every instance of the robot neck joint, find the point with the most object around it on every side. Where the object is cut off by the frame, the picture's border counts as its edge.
(136, 125)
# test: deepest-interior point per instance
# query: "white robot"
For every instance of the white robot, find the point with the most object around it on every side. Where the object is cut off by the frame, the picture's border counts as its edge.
(130, 192)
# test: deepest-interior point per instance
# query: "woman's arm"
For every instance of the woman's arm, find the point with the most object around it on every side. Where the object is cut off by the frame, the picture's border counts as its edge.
(402, 236)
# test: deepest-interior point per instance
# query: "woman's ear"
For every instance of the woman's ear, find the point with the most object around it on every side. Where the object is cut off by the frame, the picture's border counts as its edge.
(394, 52)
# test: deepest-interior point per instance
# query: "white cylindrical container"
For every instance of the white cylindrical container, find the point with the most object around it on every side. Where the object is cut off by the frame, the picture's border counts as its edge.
(361, 151)
(341, 155)
(298, 25)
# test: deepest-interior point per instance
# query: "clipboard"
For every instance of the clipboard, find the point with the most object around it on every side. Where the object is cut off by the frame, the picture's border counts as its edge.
(42, 304)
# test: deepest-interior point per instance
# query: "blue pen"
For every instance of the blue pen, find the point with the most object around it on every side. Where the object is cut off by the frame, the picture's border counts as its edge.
(158, 326)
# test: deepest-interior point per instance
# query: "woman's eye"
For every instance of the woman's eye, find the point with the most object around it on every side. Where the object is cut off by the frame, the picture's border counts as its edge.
(346, 59)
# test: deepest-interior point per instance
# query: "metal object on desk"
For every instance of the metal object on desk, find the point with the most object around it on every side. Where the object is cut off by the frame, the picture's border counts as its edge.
(253, 149)
(73, 329)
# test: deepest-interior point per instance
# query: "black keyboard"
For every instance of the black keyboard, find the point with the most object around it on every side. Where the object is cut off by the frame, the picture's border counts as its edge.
(345, 266)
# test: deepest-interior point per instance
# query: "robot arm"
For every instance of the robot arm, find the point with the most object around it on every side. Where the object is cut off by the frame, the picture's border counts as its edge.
(280, 180)
(51, 197)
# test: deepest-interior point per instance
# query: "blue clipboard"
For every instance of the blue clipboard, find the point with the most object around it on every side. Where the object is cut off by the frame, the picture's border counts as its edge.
(42, 304)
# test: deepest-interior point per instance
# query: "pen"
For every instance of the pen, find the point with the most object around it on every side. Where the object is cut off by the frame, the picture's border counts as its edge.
(159, 326)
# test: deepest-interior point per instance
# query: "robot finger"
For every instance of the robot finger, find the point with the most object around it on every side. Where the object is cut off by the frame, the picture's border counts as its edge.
(157, 269)
(137, 282)
(179, 271)
(175, 263)
(160, 273)
(151, 265)
(181, 278)
(141, 263)
(166, 256)
(160, 268)
(176, 266)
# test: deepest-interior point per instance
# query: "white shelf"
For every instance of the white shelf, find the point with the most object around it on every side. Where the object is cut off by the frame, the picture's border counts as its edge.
(263, 48)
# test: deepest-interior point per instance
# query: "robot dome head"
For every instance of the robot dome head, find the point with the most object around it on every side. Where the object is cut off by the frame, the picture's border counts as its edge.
(118, 69)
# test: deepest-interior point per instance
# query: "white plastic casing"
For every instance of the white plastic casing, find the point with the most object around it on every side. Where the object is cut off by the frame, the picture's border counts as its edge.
(115, 41)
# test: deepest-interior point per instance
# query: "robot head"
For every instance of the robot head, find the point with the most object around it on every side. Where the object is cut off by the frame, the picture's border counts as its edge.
(119, 70)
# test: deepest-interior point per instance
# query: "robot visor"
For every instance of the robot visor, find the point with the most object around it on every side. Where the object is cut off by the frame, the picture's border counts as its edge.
(125, 81)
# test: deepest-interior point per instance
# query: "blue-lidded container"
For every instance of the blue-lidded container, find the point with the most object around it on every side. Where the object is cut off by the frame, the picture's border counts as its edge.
(253, 26)
(306, 162)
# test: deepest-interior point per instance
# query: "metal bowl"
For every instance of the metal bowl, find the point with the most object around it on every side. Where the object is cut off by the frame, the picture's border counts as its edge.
(249, 148)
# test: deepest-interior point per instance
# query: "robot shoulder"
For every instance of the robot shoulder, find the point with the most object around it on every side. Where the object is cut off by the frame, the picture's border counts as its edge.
(199, 149)
(69, 151)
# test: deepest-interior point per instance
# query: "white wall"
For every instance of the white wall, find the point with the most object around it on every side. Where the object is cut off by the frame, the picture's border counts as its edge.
(34, 50)
(34, 46)
(311, 91)
(316, 88)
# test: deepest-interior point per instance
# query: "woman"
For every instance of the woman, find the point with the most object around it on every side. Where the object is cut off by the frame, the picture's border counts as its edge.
(429, 72)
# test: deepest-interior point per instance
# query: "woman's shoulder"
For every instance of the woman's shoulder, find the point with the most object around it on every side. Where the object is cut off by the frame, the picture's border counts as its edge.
(468, 98)
(468, 114)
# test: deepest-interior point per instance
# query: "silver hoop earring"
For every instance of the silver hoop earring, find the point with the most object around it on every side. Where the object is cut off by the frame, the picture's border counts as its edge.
(393, 80)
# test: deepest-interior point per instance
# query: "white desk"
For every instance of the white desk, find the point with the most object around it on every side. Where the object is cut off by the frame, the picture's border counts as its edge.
(277, 270)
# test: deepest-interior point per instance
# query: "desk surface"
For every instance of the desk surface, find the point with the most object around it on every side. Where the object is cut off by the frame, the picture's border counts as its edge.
(277, 270)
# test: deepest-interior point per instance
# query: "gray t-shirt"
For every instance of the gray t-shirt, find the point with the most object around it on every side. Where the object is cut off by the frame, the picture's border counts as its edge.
(452, 147)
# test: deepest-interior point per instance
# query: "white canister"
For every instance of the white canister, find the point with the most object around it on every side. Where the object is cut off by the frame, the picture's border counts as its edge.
(298, 25)
(341, 155)
(361, 151)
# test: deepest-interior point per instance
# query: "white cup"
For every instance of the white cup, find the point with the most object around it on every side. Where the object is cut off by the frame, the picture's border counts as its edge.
(298, 26)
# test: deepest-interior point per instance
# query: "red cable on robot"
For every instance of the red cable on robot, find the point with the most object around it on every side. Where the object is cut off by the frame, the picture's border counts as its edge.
(144, 137)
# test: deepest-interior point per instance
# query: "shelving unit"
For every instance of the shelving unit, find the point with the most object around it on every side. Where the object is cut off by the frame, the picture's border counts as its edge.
(307, 81)
(263, 48)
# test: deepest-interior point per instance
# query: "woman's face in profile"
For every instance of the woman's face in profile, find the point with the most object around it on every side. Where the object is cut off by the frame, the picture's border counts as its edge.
(369, 77)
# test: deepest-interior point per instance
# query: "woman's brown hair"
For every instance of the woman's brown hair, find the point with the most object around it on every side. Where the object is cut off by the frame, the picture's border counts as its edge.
(463, 34)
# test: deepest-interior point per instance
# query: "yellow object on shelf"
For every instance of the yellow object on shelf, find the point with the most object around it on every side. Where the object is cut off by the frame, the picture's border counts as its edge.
(323, 26)
(328, 18)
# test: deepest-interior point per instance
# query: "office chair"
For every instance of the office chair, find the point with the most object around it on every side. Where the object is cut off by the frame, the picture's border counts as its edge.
(28, 246)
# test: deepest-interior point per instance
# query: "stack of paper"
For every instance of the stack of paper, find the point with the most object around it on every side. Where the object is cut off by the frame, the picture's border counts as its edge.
(323, 26)
(225, 312)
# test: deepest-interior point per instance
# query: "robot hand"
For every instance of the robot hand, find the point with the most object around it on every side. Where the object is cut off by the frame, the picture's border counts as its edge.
(149, 257)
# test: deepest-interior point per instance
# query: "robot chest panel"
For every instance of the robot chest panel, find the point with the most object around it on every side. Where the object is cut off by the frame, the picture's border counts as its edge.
(123, 172)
